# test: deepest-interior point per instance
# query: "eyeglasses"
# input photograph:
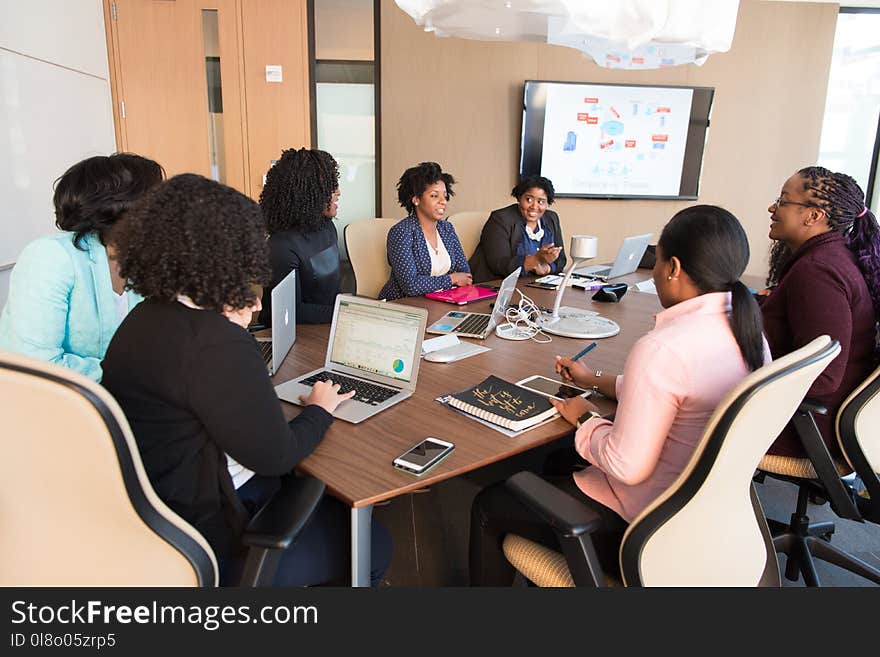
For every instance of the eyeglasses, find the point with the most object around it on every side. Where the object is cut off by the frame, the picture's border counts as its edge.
(780, 203)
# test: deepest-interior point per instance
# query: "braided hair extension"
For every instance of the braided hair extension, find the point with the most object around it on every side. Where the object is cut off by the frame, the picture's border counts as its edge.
(417, 179)
(843, 202)
(298, 189)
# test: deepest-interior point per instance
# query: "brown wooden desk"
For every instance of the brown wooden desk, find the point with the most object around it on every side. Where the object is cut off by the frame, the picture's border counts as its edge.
(354, 460)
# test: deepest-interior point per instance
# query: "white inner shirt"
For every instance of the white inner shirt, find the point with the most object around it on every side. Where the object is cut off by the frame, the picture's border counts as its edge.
(441, 263)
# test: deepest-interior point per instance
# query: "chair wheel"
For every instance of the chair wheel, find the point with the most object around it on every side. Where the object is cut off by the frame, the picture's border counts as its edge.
(817, 499)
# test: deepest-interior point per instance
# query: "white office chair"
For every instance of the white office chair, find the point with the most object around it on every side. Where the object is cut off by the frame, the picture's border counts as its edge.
(707, 528)
(468, 227)
(365, 242)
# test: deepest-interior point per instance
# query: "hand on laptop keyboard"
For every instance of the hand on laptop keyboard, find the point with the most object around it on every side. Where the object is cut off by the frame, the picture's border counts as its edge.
(327, 395)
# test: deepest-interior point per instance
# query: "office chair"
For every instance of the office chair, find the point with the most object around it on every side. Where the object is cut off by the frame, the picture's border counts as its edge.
(365, 242)
(821, 476)
(77, 508)
(707, 528)
(469, 227)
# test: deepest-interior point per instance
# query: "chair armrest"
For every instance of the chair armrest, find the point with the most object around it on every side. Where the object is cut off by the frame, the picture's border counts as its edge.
(276, 525)
(567, 515)
(811, 406)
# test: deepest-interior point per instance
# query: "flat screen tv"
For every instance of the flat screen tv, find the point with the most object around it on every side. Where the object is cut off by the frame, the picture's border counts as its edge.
(615, 141)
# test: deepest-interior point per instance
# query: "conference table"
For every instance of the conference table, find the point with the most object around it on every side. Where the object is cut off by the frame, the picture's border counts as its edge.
(354, 460)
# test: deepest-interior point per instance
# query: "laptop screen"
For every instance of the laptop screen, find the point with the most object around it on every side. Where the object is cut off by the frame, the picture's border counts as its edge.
(376, 339)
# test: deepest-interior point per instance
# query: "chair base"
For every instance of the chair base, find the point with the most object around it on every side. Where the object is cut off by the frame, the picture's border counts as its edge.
(802, 542)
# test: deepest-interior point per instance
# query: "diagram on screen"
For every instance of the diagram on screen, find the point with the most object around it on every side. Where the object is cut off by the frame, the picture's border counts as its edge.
(626, 141)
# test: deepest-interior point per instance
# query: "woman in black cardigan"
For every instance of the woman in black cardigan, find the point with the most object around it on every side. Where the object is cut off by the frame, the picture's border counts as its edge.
(299, 203)
(195, 389)
(524, 234)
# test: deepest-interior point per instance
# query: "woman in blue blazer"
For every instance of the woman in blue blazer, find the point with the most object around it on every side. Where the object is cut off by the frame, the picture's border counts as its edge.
(66, 297)
(423, 249)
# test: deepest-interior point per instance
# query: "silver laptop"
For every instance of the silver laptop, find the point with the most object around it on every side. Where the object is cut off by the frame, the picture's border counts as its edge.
(478, 325)
(374, 349)
(275, 349)
(627, 261)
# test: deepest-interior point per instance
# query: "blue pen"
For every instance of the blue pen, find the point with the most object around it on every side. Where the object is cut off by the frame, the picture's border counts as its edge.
(582, 352)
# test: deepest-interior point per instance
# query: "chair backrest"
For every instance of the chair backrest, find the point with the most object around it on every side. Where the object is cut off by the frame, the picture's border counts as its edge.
(858, 433)
(707, 528)
(76, 506)
(469, 227)
(365, 242)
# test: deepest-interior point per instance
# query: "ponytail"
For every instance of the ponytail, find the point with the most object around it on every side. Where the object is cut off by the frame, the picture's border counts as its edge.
(864, 242)
(747, 325)
(714, 251)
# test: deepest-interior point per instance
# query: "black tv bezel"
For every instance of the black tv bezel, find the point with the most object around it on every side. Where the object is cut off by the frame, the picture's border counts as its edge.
(695, 144)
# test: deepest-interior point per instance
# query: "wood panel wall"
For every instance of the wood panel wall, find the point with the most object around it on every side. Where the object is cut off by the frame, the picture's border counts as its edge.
(459, 102)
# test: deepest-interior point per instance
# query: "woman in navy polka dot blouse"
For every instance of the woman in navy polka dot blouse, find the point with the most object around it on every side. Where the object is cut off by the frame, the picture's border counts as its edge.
(423, 249)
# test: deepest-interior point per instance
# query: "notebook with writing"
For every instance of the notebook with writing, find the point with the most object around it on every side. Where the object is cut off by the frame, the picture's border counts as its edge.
(503, 403)
(462, 295)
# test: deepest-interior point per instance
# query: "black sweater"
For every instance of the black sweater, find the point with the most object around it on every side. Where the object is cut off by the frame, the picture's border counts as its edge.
(194, 388)
(315, 256)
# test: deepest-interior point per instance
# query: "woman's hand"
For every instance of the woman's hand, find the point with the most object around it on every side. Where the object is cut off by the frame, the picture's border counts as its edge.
(575, 372)
(461, 278)
(571, 409)
(532, 263)
(548, 253)
(326, 395)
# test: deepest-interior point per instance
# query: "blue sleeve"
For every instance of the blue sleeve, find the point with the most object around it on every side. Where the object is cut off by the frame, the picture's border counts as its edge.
(402, 258)
(35, 317)
(456, 253)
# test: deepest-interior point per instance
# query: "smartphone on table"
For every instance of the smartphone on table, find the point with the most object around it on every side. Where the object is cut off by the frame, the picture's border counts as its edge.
(552, 388)
(422, 457)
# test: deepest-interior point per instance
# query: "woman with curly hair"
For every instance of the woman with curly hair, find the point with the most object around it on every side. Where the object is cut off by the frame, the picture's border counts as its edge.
(423, 249)
(824, 280)
(66, 296)
(194, 387)
(524, 234)
(299, 202)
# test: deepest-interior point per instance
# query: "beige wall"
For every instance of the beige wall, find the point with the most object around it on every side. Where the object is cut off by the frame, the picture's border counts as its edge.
(344, 29)
(459, 102)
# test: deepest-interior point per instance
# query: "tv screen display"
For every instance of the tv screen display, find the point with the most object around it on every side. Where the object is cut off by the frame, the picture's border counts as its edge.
(615, 140)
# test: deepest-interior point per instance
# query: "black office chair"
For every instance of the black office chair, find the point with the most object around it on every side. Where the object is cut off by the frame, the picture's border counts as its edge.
(77, 507)
(820, 476)
(707, 528)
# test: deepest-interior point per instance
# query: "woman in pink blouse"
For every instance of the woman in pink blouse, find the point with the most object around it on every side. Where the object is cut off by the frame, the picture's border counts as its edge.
(707, 338)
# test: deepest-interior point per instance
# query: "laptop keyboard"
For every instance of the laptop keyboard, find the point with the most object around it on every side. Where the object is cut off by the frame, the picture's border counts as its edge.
(365, 392)
(601, 272)
(266, 350)
(475, 324)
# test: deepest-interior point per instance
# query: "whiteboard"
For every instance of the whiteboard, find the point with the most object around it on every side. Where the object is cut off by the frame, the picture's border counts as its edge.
(51, 117)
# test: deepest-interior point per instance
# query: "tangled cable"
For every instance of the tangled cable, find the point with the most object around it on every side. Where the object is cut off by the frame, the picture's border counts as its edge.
(525, 320)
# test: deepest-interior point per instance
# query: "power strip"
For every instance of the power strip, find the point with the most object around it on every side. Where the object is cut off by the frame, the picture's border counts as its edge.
(512, 332)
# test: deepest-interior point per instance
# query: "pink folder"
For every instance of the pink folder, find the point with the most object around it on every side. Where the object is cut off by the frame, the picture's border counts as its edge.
(463, 295)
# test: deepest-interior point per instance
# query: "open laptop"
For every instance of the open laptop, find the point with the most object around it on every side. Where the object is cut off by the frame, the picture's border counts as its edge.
(478, 325)
(274, 349)
(374, 349)
(627, 261)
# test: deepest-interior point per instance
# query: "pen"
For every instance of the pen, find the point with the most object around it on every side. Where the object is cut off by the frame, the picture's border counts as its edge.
(582, 352)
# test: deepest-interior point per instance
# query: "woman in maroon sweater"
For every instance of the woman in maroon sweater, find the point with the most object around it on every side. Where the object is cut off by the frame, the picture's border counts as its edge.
(824, 280)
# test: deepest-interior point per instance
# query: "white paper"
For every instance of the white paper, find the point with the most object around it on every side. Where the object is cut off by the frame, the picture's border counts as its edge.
(435, 344)
(273, 73)
(646, 286)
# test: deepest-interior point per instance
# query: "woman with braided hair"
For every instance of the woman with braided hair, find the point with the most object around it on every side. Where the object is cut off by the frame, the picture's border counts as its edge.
(299, 202)
(824, 280)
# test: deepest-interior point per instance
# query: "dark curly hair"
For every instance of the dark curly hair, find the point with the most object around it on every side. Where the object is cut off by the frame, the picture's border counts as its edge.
(843, 202)
(93, 194)
(529, 182)
(417, 179)
(298, 190)
(195, 237)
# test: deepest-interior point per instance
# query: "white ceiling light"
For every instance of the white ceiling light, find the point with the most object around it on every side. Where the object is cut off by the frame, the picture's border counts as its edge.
(631, 34)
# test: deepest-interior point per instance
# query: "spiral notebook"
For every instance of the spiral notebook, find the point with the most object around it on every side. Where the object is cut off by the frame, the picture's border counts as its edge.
(503, 403)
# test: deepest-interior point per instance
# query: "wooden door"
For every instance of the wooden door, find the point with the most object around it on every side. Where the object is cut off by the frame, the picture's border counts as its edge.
(159, 56)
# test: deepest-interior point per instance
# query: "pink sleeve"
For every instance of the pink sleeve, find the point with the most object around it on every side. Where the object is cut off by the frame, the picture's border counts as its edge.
(652, 388)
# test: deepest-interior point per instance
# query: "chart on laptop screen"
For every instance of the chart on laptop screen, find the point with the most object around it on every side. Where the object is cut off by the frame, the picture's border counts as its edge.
(378, 340)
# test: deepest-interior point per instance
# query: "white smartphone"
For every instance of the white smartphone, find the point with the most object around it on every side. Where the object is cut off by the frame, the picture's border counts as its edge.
(551, 388)
(420, 458)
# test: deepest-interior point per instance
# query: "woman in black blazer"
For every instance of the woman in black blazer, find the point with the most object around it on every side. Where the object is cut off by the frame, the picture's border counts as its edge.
(524, 234)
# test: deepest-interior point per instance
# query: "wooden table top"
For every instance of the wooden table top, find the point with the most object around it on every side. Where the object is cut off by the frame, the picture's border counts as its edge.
(354, 460)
